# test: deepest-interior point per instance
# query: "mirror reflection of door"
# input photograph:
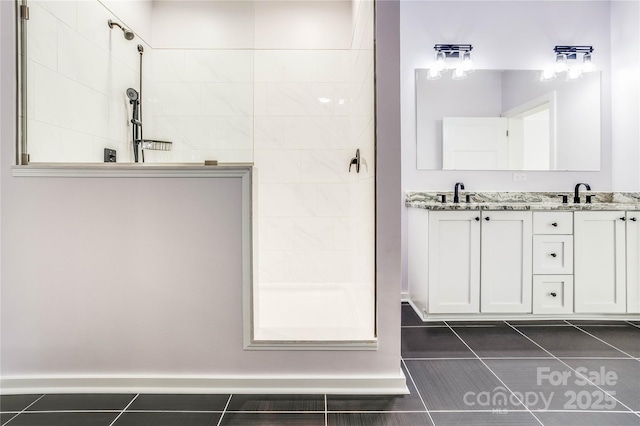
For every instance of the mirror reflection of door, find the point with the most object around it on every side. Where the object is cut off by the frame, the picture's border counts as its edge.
(475, 143)
(522, 139)
(532, 134)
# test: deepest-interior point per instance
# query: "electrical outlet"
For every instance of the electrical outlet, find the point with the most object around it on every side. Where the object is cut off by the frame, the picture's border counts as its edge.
(519, 177)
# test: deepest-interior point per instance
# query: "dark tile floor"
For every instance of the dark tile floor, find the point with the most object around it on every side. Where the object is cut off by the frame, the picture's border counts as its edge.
(458, 373)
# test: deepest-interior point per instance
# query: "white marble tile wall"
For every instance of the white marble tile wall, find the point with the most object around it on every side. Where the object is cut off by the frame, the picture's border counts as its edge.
(313, 109)
(78, 71)
(302, 149)
(202, 101)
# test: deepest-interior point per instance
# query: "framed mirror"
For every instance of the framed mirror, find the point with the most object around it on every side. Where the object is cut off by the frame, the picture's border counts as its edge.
(508, 120)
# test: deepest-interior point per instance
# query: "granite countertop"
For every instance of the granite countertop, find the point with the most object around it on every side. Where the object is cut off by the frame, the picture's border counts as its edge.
(604, 201)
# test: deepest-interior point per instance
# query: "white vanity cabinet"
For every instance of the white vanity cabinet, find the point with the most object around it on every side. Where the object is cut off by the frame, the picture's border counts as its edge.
(468, 257)
(600, 261)
(505, 278)
(633, 261)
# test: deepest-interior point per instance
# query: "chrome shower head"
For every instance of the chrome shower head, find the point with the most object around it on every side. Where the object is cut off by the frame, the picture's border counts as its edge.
(127, 33)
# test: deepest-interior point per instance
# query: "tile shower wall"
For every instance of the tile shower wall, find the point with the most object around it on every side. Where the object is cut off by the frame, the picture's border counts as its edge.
(202, 101)
(78, 71)
(313, 109)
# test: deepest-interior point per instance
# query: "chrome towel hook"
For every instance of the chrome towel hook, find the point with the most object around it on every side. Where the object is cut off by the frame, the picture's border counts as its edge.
(355, 160)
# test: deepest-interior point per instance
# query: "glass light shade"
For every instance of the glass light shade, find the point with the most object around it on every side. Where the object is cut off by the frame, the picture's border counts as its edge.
(574, 74)
(467, 63)
(433, 74)
(587, 64)
(458, 74)
(441, 64)
(547, 74)
(561, 63)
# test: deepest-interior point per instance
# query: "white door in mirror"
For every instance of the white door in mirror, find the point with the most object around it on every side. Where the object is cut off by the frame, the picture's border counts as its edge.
(475, 143)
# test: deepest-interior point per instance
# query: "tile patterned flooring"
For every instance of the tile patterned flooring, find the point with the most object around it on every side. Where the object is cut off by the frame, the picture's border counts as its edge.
(459, 373)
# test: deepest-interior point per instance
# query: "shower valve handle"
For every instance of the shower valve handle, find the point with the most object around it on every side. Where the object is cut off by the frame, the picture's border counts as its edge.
(355, 160)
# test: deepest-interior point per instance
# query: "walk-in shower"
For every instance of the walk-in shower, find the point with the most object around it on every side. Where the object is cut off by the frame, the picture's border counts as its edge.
(237, 85)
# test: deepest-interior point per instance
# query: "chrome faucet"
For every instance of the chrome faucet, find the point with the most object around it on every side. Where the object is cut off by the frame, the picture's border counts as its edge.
(576, 195)
(456, 196)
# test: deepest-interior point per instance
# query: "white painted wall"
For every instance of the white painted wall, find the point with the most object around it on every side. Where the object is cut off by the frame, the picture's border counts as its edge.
(203, 24)
(62, 315)
(518, 35)
(248, 25)
(625, 93)
(134, 15)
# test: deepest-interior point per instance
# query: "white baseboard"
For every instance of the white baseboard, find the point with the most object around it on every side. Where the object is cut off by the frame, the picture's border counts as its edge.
(389, 385)
(404, 296)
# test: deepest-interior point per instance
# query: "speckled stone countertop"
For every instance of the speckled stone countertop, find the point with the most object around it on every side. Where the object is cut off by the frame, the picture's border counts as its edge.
(525, 201)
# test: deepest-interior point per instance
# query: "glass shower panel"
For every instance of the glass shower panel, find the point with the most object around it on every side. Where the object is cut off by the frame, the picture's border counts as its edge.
(314, 235)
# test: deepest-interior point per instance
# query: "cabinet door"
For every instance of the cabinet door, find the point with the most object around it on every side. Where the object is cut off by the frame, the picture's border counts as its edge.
(600, 265)
(454, 262)
(417, 258)
(633, 262)
(506, 261)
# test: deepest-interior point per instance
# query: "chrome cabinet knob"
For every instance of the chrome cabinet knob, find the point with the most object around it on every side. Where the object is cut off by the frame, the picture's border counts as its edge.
(553, 294)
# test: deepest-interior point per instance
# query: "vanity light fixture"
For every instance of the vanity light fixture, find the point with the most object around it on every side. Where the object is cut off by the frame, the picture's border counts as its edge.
(566, 61)
(462, 66)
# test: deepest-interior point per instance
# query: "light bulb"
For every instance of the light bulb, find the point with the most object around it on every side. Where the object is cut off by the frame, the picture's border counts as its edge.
(458, 74)
(440, 61)
(547, 74)
(561, 63)
(433, 74)
(587, 64)
(467, 63)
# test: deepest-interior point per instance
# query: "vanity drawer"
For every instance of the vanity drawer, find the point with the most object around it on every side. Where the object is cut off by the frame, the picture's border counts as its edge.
(552, 294)
(553, 223)
(553, 254)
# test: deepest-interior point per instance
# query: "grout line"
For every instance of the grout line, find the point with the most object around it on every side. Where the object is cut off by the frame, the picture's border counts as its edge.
(521, 358)
(24, 409)
(606, 343)
(124, 409)
(572, 369)
(424, 404)
(225, 409)
(635, 325)
(167, 411)
(326, 415)
(492, 372)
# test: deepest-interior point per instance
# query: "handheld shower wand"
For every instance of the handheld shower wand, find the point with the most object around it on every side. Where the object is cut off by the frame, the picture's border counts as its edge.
(134, 100)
